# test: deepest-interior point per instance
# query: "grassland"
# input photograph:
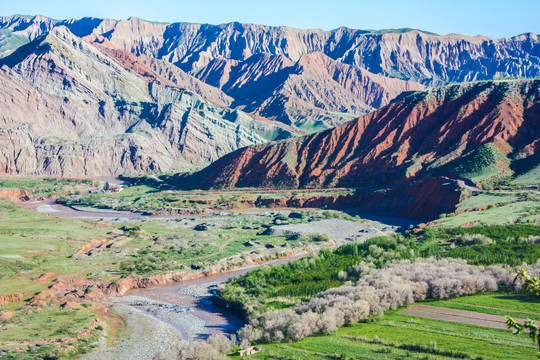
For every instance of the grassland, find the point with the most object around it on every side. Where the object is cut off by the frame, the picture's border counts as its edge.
(516, 305)
(499, 206)
(39, 244)
(399, 336)
(43, 187)
(53, 331)
(150, 195)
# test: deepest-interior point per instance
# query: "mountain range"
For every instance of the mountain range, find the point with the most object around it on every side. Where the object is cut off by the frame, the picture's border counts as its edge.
(89, 97)
(412, 158)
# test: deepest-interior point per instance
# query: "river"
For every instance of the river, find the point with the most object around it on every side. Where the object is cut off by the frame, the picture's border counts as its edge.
(157, 318)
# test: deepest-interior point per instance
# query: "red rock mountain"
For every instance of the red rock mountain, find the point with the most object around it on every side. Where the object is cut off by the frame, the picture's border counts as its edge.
(473, 130)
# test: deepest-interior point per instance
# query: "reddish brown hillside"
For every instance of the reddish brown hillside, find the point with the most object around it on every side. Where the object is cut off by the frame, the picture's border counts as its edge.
(474, 130)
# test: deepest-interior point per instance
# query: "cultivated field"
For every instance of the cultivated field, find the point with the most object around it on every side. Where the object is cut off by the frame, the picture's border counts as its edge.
(399, 335)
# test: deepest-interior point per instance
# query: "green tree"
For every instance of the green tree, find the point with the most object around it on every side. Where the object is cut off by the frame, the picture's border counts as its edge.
(107, 186)
(533, 285)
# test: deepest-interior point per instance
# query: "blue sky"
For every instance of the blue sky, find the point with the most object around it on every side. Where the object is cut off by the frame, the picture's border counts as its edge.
(494, 18)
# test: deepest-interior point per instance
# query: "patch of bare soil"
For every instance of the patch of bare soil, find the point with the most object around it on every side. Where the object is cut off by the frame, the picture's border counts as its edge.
(459, 316)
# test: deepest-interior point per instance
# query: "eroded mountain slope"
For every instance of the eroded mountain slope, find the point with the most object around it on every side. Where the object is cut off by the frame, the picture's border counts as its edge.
(70, 108)
(475, 131)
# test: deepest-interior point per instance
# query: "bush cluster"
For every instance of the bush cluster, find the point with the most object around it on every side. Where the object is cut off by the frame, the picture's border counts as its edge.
(399, 284)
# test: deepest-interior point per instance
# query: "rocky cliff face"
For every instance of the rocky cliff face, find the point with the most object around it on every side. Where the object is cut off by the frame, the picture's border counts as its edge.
(474, 130)
(70, 108)
(406, 54)
(413, 55)
(99, 97)
(314, 93)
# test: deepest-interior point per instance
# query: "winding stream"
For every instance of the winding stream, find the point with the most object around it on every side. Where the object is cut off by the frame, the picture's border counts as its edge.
(50, 207)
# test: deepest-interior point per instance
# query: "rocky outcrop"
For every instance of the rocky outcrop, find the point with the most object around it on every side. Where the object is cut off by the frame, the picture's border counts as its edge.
(13, 194)
(9, 298)
(424, 199)
(69, 108)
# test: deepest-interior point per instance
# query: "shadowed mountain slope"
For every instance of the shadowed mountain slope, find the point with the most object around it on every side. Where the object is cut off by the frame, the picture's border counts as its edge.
(314, 93)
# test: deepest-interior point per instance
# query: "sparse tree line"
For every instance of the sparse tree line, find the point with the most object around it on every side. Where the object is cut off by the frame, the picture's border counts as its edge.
(511, 245)
(214, 348)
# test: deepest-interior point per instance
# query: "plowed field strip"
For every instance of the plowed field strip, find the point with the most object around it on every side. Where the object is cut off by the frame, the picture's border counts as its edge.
(459, 316)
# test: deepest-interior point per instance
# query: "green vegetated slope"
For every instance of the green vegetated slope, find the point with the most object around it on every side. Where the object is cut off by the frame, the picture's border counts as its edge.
(529, 178)
(61, 333)
(505, 200)
(484, 163)
(38, 187)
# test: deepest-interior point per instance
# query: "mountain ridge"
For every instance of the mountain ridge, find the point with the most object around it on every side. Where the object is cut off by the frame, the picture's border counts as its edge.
(201, 91)
(431, 59)
(425, 133)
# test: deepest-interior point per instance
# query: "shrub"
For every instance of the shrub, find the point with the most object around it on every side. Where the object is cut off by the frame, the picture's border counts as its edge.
(385, 289)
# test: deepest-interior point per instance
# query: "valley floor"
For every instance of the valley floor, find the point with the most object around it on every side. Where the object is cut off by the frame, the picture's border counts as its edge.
(61, 265)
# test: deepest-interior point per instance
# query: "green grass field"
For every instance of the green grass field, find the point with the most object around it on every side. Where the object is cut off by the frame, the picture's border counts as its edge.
(41, 244)
(400, 336)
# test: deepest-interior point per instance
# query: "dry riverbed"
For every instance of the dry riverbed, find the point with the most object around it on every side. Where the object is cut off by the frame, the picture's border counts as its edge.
(155, 318)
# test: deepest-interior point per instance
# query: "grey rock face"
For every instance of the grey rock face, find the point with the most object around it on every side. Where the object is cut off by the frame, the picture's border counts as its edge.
(70, 109)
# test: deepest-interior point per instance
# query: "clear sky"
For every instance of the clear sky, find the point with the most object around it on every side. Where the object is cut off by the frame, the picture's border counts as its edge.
(494, 18)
